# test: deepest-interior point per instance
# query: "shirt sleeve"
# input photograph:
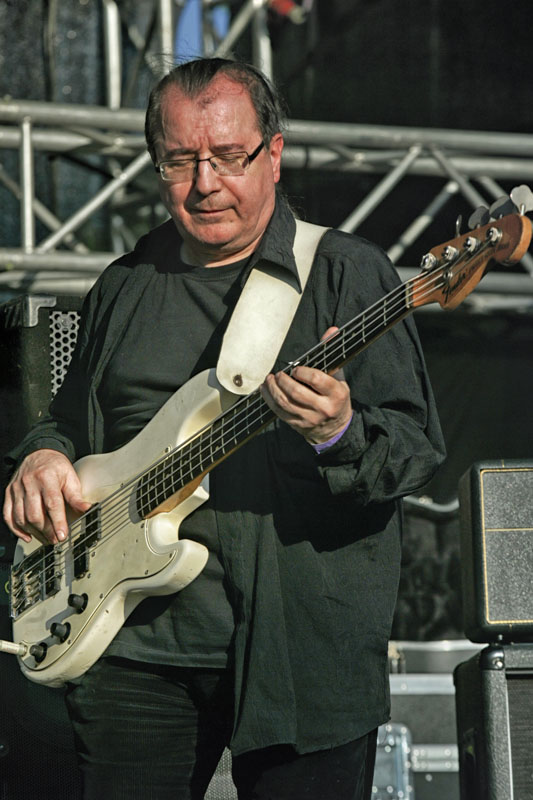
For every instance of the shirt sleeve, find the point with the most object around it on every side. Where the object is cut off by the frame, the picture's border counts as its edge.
(394, 443)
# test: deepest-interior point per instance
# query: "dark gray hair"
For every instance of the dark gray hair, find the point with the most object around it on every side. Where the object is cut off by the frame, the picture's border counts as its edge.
(193, 77)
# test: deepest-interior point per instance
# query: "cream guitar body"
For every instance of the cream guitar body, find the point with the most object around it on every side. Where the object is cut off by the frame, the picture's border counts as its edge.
(70, 600)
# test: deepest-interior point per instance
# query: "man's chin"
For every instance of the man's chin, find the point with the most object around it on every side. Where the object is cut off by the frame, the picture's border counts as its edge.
(216, 235)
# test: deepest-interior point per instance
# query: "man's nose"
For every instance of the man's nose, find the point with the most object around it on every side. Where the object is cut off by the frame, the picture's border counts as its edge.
(206, 179)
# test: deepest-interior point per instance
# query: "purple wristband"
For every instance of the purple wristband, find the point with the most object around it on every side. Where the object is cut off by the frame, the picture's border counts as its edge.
(318, 448)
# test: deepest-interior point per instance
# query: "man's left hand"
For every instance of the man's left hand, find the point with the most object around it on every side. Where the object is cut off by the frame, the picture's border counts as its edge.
(315, 404)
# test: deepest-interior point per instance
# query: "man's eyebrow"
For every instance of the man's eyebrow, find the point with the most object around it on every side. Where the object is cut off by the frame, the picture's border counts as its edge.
(178, 152)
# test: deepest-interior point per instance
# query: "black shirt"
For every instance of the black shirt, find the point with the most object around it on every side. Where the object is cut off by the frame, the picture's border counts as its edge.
(310, 544)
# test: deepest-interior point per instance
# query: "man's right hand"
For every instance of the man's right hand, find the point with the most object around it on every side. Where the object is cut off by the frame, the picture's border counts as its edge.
(35, 498)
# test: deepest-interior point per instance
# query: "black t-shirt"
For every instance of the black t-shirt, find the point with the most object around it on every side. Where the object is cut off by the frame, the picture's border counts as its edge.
(175, 332)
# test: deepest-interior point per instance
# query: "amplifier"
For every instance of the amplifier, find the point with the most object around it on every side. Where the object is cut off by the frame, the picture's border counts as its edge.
(494, 708)
(496, 515)
(37, 754)
(37, 337)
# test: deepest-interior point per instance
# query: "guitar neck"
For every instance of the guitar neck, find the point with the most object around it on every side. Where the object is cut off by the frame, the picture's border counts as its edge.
(450, 273)
(361, 331)
(248, 416)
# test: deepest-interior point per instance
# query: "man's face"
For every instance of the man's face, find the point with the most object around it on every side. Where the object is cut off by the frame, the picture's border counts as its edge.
(221, 219)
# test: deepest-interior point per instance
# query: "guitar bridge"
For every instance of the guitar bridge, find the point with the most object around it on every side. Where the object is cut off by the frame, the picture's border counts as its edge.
(35, 578)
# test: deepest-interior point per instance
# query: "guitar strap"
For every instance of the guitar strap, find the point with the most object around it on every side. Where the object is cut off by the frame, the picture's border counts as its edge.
(263, 315)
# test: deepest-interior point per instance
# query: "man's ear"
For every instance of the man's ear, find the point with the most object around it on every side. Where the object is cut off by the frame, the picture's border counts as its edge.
(275, 149)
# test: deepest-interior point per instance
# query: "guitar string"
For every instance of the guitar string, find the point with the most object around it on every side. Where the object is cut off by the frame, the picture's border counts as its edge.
(363, 321)
(373, 316)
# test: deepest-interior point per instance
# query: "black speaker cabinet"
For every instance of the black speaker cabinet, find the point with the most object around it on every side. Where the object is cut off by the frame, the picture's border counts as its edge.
(496, 511)
(37, 756)
(494, 708)
(37, 337)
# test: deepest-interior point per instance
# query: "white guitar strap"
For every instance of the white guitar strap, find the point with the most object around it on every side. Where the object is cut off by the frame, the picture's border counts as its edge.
(263, 315)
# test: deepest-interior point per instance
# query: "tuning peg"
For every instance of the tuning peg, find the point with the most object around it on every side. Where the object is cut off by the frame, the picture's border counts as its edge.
(522, 197)
(458, 223)
(502, 206)
(480, 217)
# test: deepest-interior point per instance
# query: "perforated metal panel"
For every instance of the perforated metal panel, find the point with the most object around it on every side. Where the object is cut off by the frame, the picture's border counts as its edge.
(222, 786)
(64, 327)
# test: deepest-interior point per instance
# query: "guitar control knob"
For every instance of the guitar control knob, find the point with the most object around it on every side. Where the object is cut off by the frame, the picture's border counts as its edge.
(78, 602)
(60, 630)
(38, 651)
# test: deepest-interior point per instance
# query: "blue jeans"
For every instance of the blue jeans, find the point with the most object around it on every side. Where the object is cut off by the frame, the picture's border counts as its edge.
(153, 732)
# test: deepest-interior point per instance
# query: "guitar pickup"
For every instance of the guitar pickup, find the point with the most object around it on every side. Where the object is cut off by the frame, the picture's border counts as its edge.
(86, 540)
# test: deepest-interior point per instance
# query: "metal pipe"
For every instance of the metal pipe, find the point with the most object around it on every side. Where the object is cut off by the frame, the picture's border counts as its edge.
(427, 508)
(298, 131)
(318, 158)
(41, 212)
(294, 156)
(261, 47)
(380, 191)
(66, 114)
(237, 27)
(492, 187)
(27, 185)
(54, 140)
(166, 34)
(13, 259)
(131, 171)
(113, 51)
(471, 194)
(419, 225)
(390, 136)
(51, 283)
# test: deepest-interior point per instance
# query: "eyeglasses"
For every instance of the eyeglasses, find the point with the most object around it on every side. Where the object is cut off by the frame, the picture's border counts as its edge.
(225, 164)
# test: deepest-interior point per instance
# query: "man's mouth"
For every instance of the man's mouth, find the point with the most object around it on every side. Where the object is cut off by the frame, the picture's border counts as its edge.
(207, 211)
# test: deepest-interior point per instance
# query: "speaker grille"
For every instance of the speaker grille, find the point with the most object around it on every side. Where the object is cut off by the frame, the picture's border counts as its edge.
(496, 500)
(520, 697)
(64, 327)
(507, 530)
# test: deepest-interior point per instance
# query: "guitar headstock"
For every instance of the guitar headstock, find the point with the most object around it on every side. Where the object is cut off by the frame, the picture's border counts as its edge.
(452, 270)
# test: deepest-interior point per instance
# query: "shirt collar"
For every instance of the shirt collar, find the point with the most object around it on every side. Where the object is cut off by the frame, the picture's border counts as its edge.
(277, 241)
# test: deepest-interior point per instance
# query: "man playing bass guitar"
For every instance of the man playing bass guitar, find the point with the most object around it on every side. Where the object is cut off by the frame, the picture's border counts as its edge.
(278, 648)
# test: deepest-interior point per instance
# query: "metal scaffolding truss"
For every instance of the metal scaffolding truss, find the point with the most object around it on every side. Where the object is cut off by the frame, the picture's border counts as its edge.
(470, 165)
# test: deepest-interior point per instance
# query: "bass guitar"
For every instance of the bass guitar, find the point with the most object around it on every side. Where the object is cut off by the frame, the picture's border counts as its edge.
(69, 600)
